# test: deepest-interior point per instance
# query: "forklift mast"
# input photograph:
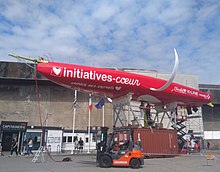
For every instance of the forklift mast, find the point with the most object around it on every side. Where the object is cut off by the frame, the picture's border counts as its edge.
(102, 143)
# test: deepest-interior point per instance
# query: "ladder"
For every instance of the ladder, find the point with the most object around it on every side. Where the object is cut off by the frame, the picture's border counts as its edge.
(39, 153)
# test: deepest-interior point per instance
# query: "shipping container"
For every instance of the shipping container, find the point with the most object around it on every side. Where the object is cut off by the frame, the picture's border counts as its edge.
(157, 142)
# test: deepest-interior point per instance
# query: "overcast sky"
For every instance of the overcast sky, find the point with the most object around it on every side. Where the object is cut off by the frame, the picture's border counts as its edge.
(116, 33)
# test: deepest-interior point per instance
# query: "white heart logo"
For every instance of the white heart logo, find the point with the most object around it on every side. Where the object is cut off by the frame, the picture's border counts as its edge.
(56, 70)
(117, 88)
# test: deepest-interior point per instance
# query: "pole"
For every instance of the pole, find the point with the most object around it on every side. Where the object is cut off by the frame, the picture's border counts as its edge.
(19, 148)
(103, 115)
(129, 108)
(212, 123)
(74, 119)
(89, 133)
(90, 108)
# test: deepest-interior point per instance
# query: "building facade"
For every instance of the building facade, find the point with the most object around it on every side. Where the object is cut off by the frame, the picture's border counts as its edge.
(40, 102)
(211, 116)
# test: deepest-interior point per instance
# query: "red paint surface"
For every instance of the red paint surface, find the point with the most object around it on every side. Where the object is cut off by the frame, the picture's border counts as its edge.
(157, 142)
(114, 83)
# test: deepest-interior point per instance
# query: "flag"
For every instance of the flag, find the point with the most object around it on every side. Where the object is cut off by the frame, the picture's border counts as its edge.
(100, 104)
(75, 99)
(90, 102)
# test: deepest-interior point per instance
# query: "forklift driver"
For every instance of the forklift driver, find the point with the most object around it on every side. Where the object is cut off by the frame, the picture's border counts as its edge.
(122, 149)
(115, 148)
(126, 145)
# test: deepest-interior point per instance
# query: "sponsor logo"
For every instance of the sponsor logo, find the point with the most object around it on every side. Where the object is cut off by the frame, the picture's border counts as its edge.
(117, 88)
(92, 75)
(56, 71)
(190, 92)
(179, 90)
(205, 96)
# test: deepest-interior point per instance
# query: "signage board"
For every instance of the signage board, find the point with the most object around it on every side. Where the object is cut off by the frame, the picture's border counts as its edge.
(13, 126)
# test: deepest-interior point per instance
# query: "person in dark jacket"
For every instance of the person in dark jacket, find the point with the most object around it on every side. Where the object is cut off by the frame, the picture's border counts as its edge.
(14, 147)
(81, 144)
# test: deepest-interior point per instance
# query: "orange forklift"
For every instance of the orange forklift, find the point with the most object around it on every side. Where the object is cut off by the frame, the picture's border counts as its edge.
(118, 149)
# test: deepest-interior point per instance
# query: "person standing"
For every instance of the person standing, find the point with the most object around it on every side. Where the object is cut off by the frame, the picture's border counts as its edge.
(148, 114)
(14, 147)
(188, 146)
(81, 144)
(30, 146)
(144, 113)
(76, 145)
(208, 145)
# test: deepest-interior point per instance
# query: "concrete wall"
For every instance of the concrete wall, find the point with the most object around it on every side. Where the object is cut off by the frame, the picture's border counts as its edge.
(19, 103)
(211, 118)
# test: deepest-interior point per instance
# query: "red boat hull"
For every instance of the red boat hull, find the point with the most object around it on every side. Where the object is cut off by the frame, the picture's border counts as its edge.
(114, 83)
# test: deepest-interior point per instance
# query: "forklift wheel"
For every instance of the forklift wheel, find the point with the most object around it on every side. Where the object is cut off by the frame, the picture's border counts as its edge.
(105, 161)
(135, 163)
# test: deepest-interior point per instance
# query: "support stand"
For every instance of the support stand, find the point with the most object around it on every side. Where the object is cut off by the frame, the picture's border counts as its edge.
(119, 111)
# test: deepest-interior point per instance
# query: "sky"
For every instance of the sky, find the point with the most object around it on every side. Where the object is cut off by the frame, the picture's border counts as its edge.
(139, 34)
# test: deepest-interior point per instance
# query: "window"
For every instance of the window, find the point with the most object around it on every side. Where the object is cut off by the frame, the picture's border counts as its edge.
(50, 139)
(64, 139)
(57, 139)
(69, 138)
(75, 138)
(93, 138)
(36, 137)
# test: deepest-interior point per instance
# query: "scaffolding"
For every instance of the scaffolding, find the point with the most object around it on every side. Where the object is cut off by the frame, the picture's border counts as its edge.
(128, 113)
(194, 123)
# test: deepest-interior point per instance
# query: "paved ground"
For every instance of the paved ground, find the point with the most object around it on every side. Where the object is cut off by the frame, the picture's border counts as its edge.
(86, 163)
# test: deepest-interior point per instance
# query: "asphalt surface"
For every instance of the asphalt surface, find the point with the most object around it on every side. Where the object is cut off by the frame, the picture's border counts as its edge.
(86, 163)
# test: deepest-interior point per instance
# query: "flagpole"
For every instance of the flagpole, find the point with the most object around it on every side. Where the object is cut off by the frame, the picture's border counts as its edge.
(74, 117)
(103, 115)
(89, 133)
(90, 104)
